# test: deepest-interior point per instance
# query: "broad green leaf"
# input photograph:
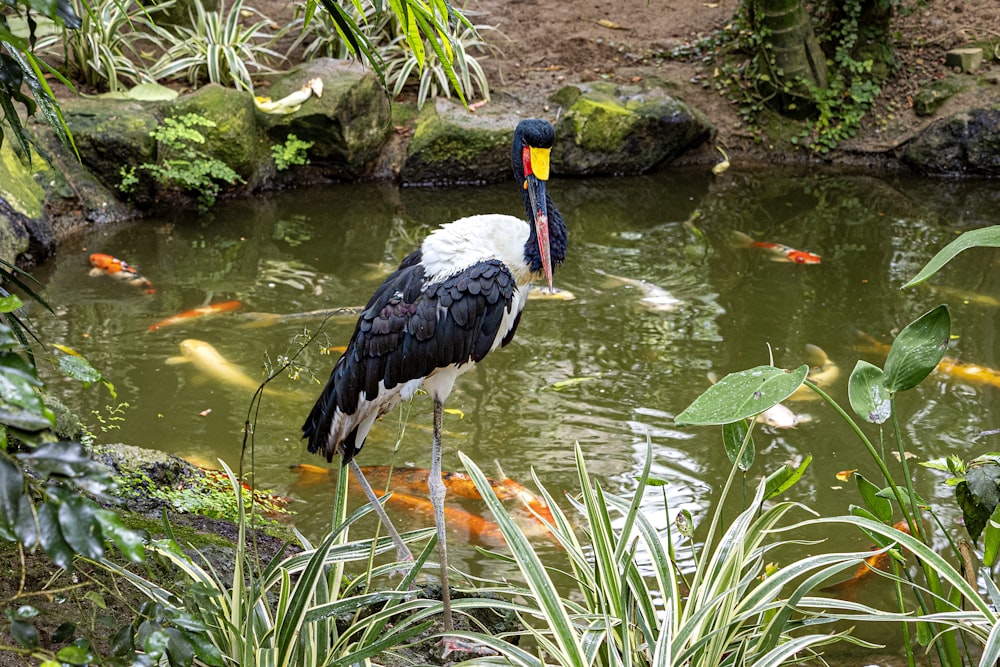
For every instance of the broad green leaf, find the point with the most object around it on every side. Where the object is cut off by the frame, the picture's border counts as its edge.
(11, 491)
(24, 633)
(50, 535)
(128, 541)
(991, 540)
(868, 394)
(77, 653)
(733, 436)
(743, 394)
(10, 303)
(80, 528)
(20, 404)
(917, 350)
(79, 369)
(880, 507)
(986, 237)
(784, 478)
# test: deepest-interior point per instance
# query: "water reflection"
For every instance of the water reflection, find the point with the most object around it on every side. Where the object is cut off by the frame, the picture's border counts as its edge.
(329, 247)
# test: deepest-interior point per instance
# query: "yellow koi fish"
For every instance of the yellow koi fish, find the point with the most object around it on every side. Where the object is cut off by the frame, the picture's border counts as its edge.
(822, 373)
(207, 359)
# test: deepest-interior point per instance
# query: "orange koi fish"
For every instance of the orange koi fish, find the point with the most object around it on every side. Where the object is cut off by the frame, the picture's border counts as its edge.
(223, 307)
(950, 366)
(777, 251)
(848, 589)
(119, 270)
(414, 481)
(467, 522)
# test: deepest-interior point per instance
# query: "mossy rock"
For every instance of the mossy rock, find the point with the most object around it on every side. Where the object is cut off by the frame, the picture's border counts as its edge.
(349, 124)
(967, 143)
(111, 134)
(930, 98)
(452, 145)
(611, 129)
(235, 139)
(21, 198)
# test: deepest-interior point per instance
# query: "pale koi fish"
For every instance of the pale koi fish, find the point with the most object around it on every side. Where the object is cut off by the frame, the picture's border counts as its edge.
(777, 251)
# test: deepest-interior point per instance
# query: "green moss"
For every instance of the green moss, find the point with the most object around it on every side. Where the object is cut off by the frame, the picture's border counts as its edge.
(600, 124)
(19, 188)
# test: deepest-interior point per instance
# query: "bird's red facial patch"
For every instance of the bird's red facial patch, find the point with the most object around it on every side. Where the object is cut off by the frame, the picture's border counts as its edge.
(526, 160)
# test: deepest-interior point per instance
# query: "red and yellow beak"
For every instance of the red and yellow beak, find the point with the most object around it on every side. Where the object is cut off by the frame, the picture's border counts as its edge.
(536, 173)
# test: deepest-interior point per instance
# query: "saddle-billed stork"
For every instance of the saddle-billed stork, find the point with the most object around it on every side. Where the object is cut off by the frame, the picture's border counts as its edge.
(450, 302)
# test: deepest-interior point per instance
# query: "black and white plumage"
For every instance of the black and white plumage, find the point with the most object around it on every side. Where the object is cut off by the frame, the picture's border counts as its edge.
(451, 302)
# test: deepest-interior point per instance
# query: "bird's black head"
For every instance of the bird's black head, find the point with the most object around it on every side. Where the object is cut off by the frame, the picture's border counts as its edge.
(530, 133)
(533, 140)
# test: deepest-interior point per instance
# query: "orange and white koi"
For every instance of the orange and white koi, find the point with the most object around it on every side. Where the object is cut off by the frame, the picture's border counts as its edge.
(778, 252)
(848, 589)
(213, 309)
(414, 481)
(119, 270)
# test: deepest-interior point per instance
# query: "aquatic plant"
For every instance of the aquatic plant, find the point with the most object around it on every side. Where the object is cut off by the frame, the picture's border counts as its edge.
(300, 609)
(735, 608)
(946, 600)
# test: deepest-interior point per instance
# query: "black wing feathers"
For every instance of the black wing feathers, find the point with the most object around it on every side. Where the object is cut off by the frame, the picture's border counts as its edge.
(408, 330)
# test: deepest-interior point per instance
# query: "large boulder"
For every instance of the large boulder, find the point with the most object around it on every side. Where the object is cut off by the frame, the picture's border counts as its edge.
(349, 125)
(622, 129)
(22, 202)
(234, 139)
(967, 143)
(452, 145)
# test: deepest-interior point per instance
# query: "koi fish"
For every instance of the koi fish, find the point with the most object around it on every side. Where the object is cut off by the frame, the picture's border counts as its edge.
(414, 481)
(344, 314)
(119, 270)
(964, 296)
(654, 297)
(213, 309)
(472, 524)
(848, 589)
(950, 366)
(823, 372)
(208, 360)
(777, 251)
(543, 294)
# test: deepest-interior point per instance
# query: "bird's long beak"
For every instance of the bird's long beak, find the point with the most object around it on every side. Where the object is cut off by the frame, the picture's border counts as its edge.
(536, 173)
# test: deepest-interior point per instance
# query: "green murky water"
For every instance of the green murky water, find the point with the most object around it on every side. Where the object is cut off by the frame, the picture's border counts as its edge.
(633, 367)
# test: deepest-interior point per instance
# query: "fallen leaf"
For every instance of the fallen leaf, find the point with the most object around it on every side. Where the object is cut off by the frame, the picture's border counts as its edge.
(909, 455)
(604, 23)
(845, 475)
(455, 411)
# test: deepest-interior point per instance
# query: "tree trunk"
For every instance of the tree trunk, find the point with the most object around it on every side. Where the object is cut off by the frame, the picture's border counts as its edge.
(791, 58)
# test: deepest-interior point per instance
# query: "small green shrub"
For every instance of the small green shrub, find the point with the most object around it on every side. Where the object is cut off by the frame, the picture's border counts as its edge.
(217, 46)
(292, 153)
(185, 165)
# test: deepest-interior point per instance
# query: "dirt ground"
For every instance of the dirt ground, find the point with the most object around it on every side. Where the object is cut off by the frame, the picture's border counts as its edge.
(544, 44)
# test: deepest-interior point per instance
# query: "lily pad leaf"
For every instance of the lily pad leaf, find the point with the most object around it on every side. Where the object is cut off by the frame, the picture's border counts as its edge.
(868, 394)
(743, 394)
(917, 350)
(986, 237)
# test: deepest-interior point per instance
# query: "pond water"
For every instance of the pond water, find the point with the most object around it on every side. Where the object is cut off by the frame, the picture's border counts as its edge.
(604, 370)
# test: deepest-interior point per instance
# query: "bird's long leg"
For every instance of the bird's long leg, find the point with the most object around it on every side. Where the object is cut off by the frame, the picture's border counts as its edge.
(402, 551)
(435, 485)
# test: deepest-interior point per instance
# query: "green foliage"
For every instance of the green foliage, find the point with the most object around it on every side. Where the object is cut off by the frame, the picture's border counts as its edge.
(300, 609)
(20, 67)
(105, 50)
(733, 604)
(437, 68)
(185, 165)
(321, 36)
(291, 153)
(217, 47)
